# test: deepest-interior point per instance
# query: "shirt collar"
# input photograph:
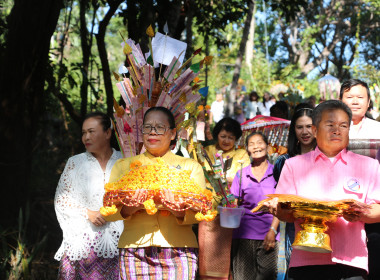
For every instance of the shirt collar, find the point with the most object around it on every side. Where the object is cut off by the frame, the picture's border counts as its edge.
(342, 155)
(166, 157)
(360, 123)
(92, 158)
(268, 172)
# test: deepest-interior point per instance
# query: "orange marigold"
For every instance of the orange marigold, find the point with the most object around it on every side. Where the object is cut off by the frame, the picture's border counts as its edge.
(135, 164)
(210, 215)
(150, 207)
(199, 217)
(106, 211)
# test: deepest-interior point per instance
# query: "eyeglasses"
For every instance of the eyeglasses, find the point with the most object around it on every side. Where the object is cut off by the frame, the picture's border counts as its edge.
(160, 129)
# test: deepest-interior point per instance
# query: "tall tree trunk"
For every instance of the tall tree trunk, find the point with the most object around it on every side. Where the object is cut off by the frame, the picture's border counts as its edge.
(232, 96)
(22, 78)
(189, 27)
(113, 5)
(86, 52)
(250, 43)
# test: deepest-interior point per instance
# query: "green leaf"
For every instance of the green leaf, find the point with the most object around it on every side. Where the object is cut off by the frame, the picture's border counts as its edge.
(150, 60)
(195, 67)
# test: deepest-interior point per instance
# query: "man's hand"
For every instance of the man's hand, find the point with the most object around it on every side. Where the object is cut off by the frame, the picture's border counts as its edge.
(352, 218)
(368, 217)
(96, 218)
(276, 210)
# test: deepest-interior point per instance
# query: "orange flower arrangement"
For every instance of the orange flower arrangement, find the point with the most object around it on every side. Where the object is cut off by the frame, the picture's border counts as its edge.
(154, 178)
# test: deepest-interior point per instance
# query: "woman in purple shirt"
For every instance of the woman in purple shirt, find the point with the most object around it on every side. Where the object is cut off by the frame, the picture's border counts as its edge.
(254, 245)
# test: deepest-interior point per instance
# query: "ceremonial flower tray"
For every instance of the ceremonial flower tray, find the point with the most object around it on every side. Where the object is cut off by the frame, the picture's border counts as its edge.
(338, 207)
(314, 215)
(154, 179)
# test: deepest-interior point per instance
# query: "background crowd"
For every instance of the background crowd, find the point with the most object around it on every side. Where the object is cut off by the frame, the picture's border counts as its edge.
(167, 245)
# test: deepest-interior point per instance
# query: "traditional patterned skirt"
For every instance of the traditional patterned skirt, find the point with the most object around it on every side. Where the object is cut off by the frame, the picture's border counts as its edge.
(251, 261)
(150, 263)
(214, 250)
(93, 267)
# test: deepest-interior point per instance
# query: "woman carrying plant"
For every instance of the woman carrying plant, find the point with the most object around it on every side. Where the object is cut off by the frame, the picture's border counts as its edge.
(88, 248)
(300, 141)
(162, 245)
(254, 245)
(215, 241)
(226, 133)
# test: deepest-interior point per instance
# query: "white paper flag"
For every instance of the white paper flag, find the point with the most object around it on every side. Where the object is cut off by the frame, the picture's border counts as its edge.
(165, 48)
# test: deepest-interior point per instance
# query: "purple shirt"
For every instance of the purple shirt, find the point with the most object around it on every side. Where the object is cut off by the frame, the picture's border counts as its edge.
(253, 225)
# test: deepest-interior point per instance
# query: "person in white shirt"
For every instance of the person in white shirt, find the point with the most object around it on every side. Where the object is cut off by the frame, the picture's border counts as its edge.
(265, 106)
(89, 246)
(252, 106)
(217, 109)
(355, 94)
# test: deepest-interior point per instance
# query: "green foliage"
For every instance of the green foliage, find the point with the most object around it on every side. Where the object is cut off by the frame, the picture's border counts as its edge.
(213, 17)
(5, 9)
(17, 254)
(289, 8)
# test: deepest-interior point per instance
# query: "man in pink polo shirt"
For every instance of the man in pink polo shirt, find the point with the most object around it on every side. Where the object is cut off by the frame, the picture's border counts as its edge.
(330, 172)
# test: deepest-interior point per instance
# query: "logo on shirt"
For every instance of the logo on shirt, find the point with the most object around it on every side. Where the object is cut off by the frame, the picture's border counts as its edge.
(353, 185)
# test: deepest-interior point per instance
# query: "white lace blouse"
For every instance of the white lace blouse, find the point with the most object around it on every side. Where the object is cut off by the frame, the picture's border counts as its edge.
(81, 187)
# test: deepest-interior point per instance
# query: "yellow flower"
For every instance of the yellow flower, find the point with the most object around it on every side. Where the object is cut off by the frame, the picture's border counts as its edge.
(199, 217)
(149, 31)
(150, 207)
(209, 218)
(127, 49)
(210, 215)
(110, 187)
(106, 211)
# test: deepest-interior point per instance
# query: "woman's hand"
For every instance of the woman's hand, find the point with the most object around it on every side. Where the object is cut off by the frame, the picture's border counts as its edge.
(269, 240)
(179, 204)
(138, 198)
(95, 218)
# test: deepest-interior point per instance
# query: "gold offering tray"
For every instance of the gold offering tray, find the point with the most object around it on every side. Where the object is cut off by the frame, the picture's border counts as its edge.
(316, 214)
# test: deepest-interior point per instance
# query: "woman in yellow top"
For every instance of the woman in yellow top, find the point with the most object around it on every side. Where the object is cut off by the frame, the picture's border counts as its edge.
(226, 132)
(163, 245)
(215, 241)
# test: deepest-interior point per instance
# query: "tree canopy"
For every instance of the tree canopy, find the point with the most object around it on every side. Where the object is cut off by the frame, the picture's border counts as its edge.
(57, 60)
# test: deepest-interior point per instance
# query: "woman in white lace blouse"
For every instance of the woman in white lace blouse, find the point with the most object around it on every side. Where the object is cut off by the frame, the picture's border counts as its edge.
(89, 247)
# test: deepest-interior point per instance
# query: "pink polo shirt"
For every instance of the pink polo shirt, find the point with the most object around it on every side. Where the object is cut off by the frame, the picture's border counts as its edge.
(349, 176)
